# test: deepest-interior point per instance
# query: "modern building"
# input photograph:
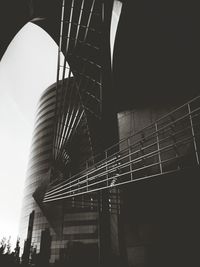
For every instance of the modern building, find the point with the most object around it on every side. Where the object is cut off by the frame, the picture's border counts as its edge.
(70, 224)
(159, 151)
(109, 172)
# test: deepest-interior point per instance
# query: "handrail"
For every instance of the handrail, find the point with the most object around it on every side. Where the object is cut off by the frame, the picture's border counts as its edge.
(153, 151)
(111, 178)
(135, 134)
(110, 170)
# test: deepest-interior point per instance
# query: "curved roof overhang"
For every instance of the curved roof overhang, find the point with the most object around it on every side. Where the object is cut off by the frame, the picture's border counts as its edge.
(13, 16)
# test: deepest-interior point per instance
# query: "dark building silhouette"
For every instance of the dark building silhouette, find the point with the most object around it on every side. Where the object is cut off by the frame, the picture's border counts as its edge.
(27, 243)
(72, 221)
(150, 218)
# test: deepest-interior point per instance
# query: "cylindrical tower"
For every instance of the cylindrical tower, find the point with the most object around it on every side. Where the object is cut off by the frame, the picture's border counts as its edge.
(39, 164)
(39, 161)
(68, 226)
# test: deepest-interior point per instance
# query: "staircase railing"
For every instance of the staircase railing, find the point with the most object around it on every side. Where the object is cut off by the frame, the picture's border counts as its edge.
(168, 145)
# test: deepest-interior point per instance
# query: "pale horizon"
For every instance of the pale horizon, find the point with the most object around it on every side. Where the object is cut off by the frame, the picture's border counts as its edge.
(27, 68)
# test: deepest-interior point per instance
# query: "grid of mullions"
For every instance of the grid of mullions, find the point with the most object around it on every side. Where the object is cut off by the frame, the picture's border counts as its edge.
(80, 39)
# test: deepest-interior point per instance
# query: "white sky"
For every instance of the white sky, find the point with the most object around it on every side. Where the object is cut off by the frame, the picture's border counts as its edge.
(117, 7)
(27, 69)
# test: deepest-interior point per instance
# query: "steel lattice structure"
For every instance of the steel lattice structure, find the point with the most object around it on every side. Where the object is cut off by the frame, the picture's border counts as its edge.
(80, 41)
(169, 145)
(82, 35)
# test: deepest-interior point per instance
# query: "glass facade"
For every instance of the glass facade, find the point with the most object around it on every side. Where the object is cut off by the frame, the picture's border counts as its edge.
(141, 232)
(69, 223)
(70, 129)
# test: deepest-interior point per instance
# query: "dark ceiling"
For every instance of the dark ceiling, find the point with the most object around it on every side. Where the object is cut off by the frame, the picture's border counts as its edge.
(157, 53)
(15, 13)
(157, 48)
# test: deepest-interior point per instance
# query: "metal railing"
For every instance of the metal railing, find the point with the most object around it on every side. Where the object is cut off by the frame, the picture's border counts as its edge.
(168, 145)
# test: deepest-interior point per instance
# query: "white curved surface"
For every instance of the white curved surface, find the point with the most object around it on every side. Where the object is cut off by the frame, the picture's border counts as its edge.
(116, 12)
(27, 68)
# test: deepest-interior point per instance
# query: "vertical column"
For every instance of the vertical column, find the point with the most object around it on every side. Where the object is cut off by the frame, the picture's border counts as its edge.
(193, 134)
(129, 157)
(55, 148)
(106, 158)
(158, 147)
(27, 245)
(109, 131)
(87, 176)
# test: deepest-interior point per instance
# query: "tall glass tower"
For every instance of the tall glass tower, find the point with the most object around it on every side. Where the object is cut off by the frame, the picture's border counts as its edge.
(71, 127)
(55, 229)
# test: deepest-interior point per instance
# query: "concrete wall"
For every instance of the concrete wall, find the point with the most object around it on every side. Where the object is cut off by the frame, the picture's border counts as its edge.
(159, 215)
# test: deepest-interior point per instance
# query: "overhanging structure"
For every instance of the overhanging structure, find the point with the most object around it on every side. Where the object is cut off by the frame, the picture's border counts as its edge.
(85, 42)
(79, 170)
(170, 144)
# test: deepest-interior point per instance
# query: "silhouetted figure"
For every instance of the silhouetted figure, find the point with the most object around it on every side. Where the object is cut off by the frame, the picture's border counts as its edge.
(45, 249)
(27, 244)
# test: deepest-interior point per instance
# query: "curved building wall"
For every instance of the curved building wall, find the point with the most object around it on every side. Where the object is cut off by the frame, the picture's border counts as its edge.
(152, 228)
(66, 221)
(39, 163)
